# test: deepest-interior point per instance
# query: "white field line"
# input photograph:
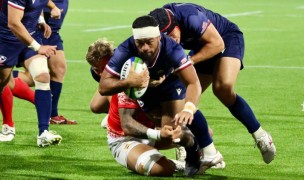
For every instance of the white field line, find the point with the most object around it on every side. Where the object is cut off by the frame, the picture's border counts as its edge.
(124, 26)
(243, 14)
(107, 28)
(261, 67)
(105, 11)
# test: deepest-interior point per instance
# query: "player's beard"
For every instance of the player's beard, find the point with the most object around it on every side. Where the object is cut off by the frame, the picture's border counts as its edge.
(149, 55)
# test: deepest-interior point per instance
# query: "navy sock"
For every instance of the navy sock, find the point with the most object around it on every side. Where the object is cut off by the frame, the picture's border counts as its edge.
(43, 107)
(56, 91)
(199, 129)
(15, 73)
(242, 111)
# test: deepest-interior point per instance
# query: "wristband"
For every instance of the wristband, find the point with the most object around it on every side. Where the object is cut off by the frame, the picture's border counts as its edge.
(190, 107)
(41, 20)
(153, 134)
(34, 45)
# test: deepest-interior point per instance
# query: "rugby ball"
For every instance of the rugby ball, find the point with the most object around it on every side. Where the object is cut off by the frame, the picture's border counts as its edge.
(139, 66)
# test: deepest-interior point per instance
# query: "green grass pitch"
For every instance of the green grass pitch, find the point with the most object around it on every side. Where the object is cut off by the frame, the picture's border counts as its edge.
(272, 82)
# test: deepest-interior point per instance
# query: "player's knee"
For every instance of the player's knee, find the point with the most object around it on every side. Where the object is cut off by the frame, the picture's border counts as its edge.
(58, 72)
(152, 163)
(42, 81)
(38, 69)
(95, 109)
(222, 90)
(163, 167)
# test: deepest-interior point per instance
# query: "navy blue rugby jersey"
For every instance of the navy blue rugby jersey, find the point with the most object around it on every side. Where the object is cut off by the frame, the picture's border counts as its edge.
(171, 58)
(56, 24)
(32, 10)
(193, 21)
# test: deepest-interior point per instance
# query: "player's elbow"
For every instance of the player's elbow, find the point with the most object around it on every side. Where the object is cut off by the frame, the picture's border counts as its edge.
(12, 25)
(103, 91)
(126, 129)
(220, 45)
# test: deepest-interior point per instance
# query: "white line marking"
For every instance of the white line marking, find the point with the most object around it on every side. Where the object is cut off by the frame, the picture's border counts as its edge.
(276, 67)
(257, 66)
(124, 26)
(243, 14)
(105, 11)
(107, 28)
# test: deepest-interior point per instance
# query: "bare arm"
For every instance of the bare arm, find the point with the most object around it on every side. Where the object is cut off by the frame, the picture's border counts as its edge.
(189, 77)
(55, 11)
(130, 126)
(193, 92)
(19, 30)
(15, 25)
(110, 84)
(213, 44)
(133, 128)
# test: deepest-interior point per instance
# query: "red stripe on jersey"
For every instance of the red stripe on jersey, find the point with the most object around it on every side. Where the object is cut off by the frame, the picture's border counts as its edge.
(15, 6)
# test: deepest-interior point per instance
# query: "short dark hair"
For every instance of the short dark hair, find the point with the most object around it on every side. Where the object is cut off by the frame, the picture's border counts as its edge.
(165, 19)
(144, 21)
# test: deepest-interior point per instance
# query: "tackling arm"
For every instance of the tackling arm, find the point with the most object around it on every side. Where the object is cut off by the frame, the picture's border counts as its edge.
(213, 44)
(129, 125)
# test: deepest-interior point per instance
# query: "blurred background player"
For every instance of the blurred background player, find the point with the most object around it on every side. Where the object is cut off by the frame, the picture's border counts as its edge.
(18, 41)
(57, 63)
(217, 51)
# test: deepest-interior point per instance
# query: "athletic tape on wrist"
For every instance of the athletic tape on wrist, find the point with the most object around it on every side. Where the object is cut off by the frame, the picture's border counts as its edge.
(153, 134)
(34, 45)
(41, 20)
(190, 107)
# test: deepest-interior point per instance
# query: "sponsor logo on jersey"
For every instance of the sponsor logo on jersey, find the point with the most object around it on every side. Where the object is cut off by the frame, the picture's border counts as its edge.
(178, 90)
(2, 60)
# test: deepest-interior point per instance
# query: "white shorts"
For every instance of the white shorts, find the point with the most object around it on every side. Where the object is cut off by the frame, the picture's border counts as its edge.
(120, 146)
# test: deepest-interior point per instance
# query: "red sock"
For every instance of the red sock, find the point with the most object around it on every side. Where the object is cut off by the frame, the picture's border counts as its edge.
(23, 91)
(6, 106)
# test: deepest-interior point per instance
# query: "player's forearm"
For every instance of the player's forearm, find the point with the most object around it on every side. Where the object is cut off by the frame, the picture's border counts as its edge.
(51, 4)
(133, 128)
(193, 93)
(111, 86)
(20, 32)
(208, 51)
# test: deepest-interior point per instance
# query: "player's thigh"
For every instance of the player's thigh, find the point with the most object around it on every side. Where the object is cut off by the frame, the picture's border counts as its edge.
(57, 62)
(226, 72)
(205, 80)
(5, 74)
(170, 109)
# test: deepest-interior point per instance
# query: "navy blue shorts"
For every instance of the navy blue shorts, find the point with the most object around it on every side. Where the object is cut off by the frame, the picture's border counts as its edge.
(53, 40)
(234, 47)
(13, 53)
(171, 89)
